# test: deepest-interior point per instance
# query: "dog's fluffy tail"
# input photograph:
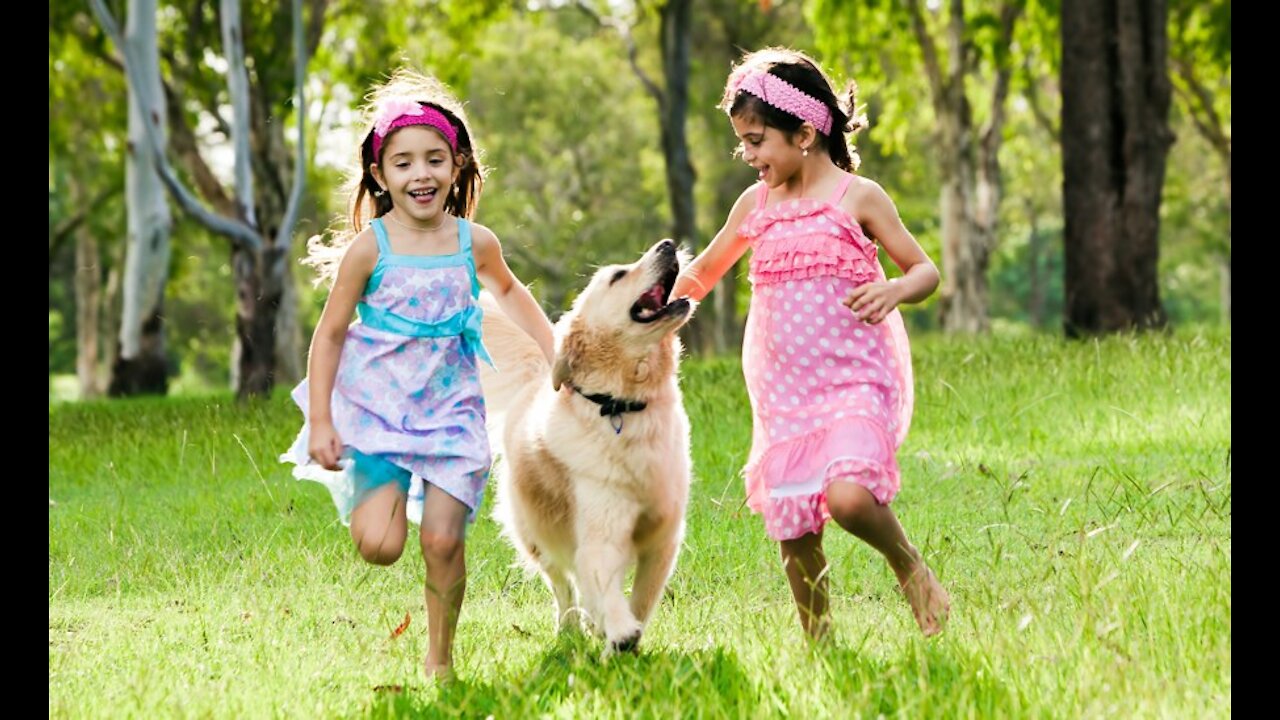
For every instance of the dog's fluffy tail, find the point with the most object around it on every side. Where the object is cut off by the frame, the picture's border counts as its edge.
(518, 366)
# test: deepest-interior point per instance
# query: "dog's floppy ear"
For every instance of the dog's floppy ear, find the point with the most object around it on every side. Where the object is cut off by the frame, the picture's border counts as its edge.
(566, 355)
(561, 372)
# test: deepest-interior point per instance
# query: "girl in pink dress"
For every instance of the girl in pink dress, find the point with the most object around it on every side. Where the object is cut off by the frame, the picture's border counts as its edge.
(825, 354)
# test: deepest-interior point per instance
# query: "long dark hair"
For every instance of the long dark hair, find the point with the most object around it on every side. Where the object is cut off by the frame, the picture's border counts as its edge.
(804, 74)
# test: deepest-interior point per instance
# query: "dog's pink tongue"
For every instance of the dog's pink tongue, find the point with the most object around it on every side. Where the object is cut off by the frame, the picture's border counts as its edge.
(653, 298)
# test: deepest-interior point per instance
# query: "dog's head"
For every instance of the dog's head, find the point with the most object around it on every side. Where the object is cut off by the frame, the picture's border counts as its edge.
(625, 313)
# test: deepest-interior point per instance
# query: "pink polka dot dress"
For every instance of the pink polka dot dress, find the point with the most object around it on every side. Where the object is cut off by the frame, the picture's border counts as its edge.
(831, 395)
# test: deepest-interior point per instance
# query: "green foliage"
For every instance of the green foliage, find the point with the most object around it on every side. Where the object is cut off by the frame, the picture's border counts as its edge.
(571, 137)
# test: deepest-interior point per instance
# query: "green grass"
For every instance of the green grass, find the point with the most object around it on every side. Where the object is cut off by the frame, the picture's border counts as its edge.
(1074, 497)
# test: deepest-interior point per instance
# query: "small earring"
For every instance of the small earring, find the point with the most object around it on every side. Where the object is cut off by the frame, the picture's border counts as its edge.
(379, 193)
(805, 153)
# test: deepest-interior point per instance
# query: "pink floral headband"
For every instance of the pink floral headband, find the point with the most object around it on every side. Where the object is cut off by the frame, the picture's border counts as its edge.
(783, 95)
(401, 112)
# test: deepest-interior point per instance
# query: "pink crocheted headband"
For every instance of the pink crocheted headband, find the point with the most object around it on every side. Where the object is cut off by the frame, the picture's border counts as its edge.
(401, 112)
(783, 95)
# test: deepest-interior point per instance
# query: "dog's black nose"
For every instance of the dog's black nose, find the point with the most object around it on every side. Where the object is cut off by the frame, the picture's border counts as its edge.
(667, 246)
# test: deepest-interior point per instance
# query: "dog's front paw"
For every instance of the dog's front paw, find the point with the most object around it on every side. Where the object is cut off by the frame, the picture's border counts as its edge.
(626, 638)
(630, 643)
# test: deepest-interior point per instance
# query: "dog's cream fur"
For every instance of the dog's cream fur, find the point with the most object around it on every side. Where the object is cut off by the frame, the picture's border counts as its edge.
(582, 502)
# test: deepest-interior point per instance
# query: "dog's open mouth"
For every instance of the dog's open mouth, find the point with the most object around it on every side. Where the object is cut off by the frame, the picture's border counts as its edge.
(653, 304)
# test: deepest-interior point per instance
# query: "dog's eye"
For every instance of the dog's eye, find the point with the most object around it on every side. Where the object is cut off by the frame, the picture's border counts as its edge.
(617, 276)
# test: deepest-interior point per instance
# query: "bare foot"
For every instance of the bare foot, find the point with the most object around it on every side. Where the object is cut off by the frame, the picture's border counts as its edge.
(440, 672)
(929, 600)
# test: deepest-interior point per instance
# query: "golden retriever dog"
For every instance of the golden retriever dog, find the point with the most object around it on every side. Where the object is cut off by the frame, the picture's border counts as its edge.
(594, 475)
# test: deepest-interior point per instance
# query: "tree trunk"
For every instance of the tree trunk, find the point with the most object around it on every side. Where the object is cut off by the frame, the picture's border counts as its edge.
(111, 313)
(963, 304)
(702, 334)
(88, 282)
(141, 365)
(971, 193)
(257, 260)
(290, 355)
(258, 297)
(1115, 142)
